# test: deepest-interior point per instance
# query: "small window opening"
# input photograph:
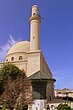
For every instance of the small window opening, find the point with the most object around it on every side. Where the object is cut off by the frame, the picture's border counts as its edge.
(33, 13)
(33, 37)
(20, 57)
(12, 59)
(6, 59)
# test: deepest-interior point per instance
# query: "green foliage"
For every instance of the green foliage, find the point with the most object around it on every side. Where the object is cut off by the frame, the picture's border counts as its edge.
(59, 106)
(13, 85)
(18, 108)
(63, 107)
(1, 87)
(22, 108)
(6, 104)
(8, 70)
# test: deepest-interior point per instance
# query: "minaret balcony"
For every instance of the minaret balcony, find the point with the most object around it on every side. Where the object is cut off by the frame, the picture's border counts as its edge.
(35, 17)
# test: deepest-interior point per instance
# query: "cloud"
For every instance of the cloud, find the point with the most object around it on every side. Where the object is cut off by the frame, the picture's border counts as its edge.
(4, 49)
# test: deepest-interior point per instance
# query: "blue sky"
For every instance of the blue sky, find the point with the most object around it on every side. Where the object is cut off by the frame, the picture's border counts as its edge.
(56, 33)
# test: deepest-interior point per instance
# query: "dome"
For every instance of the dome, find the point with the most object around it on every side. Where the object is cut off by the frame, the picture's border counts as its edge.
(23, 46)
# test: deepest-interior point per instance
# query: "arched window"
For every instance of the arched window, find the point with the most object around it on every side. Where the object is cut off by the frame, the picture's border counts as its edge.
(12, 59)
(33, 13)
(20, 57)
(6, 59)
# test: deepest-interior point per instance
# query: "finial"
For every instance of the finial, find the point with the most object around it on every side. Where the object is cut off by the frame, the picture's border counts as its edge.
(35, 6)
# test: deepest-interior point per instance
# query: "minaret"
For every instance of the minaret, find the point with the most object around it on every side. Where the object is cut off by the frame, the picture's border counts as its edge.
(37, 69)
(35, 20)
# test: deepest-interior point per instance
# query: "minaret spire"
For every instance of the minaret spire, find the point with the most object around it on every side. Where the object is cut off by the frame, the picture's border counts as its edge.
(35, 20)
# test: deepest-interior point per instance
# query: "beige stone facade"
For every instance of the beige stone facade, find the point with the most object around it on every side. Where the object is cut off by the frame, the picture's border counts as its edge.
(63, 93)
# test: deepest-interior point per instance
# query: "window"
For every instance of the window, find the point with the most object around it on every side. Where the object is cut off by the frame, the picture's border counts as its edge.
(6, 59)
(12, 59)
(20, 57)
(33, 37)
(33, 13)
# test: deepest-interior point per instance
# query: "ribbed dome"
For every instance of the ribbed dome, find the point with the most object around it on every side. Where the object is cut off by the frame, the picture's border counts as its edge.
(23, 46)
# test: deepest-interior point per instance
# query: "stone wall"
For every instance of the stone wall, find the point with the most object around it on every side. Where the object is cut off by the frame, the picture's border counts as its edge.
(33, 63)
(43, 66)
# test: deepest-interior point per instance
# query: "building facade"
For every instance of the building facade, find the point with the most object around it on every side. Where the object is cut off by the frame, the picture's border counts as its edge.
(64, 93)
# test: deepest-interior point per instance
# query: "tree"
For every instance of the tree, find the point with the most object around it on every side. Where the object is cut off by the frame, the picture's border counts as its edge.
(63, 107)
(17, 87)
(1, 87)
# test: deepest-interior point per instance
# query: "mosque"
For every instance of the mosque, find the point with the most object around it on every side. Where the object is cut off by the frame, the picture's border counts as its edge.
(28, 56)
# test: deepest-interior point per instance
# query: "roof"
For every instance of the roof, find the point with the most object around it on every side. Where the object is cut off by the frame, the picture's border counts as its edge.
(23, 46)
(40, 76)
(65, 90)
